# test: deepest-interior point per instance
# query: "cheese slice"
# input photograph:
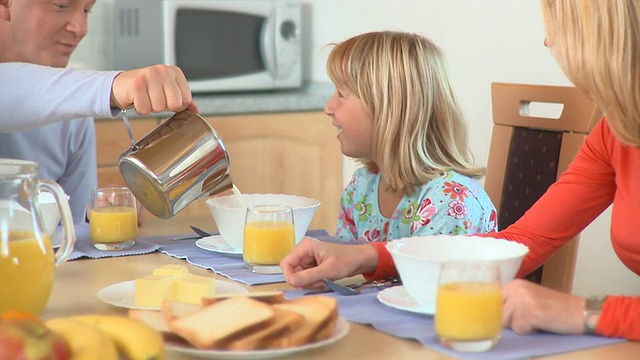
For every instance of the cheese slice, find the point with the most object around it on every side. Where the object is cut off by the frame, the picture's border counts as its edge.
(172, 270)
(191, 288)
(174, 283)
(152, 289)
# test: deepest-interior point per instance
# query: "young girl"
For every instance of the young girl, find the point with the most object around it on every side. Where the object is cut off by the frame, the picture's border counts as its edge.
(396, 113)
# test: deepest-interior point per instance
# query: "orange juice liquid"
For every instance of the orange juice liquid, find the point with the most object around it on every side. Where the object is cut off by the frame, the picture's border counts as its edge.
(113, 224)
(26, 272)
(469, 311)
(267, 242)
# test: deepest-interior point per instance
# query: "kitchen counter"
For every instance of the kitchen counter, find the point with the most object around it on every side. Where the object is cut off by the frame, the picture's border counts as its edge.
(312, 96)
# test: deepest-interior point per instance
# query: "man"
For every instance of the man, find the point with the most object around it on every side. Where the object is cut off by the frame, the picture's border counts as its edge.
(46, 32)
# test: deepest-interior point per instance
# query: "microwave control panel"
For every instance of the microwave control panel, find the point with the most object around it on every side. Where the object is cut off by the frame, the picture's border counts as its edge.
(288, 41)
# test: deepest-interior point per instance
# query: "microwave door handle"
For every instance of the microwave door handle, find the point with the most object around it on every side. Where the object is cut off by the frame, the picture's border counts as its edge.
(267, 44)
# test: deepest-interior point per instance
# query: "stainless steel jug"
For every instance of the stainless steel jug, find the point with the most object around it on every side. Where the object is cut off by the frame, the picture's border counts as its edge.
(181, 160)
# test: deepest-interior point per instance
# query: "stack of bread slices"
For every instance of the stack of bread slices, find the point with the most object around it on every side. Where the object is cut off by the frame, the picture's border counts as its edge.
(259, 320)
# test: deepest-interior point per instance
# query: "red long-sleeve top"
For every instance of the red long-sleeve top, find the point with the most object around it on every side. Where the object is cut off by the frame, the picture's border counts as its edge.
(603, 172)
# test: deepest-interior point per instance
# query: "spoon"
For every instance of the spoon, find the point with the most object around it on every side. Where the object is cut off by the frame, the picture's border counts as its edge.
(340, 289)
(355, 288)
(200, 232)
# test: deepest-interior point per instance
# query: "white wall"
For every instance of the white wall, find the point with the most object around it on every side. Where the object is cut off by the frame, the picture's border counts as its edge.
(485, 41)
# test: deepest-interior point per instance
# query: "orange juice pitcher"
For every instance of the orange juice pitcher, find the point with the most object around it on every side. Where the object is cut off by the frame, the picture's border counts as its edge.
(27, 259)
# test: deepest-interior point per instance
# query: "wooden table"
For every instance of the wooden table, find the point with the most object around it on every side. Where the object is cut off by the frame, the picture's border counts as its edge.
(77, 283)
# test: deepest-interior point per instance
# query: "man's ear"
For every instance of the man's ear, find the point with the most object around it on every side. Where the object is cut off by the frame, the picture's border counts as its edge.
(5, 10)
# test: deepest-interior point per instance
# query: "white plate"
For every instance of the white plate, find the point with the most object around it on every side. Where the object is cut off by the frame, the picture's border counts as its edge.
(398, 297)
(341, 330)
(217, 244)
(122, 294)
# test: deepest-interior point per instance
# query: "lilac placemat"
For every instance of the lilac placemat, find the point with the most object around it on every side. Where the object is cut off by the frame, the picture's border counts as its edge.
(231, 267)
(84, 248)
(366, 309)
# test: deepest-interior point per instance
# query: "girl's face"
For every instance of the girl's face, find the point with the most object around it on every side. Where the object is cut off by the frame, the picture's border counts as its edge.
(354, 124)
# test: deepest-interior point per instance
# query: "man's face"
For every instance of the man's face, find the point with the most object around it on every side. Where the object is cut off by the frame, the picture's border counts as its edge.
(44, 32)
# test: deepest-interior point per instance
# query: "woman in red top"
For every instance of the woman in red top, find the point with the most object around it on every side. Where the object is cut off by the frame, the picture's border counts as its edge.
(597, 43)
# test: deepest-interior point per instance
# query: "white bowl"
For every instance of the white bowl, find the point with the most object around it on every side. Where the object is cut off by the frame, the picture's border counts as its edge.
(48, 210)
(229, 214)
(418, 260)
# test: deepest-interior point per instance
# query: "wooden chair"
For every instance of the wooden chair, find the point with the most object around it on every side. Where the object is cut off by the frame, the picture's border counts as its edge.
(529, 152)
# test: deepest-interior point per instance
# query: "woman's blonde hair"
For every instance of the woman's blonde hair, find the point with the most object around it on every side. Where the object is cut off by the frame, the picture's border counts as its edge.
(597, 44)
(418, 127)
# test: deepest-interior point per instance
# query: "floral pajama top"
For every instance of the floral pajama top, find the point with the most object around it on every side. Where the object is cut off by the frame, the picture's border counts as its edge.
(453, 204)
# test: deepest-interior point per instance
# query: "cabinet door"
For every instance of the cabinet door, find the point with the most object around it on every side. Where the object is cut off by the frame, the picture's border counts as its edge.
(284, 153)
(112, 140)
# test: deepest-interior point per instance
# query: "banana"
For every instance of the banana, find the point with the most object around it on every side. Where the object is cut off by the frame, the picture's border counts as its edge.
(86, 342)
(134, 339)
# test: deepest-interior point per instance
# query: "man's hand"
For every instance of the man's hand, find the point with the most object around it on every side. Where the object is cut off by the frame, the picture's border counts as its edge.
(152, 89)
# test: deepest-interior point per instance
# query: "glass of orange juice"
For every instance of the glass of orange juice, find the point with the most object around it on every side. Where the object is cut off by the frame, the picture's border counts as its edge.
(113, 219)
(469, 305)
(269, 235)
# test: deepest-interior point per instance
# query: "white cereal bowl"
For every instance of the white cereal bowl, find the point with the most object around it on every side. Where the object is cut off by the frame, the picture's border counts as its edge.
(229, 214)
(418, 260)
(48, 210)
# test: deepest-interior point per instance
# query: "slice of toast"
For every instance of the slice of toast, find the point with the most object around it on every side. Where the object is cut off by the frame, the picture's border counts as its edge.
(320, 315)
(153, 318)
(217, 324)
(173, 310)
(286, 321)
(268, 297)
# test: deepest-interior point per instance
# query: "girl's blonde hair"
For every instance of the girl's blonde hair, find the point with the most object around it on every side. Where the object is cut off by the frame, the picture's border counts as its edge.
(597, 44)
(418, 127)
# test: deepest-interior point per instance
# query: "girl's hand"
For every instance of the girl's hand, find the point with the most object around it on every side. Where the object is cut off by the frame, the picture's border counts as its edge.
(529, 307)
(313, 260)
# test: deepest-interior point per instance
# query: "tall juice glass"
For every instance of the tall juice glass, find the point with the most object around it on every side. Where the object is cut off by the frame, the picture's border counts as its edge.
(269, 235)
(469, 305)
(113, 218)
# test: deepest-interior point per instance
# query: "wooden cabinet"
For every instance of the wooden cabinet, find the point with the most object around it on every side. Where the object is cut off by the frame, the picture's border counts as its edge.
(112, 140)
(287, 153)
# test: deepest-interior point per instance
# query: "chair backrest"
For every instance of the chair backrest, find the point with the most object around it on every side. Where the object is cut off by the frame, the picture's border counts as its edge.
(529, 152)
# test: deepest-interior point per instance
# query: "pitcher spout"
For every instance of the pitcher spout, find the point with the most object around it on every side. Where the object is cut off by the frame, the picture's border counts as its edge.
(221, 184)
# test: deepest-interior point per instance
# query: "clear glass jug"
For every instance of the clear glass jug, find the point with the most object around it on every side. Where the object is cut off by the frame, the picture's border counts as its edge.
(27, 260)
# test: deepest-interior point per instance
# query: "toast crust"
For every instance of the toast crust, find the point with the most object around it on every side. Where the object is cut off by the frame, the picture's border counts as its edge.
(268, 297)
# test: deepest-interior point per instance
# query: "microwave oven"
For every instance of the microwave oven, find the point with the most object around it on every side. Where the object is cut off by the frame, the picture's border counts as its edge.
(220, 45)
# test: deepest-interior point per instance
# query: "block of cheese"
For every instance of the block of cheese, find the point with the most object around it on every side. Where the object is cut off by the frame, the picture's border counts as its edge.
(171, 270)
(174, 283)
(152, 289)
(191, 288)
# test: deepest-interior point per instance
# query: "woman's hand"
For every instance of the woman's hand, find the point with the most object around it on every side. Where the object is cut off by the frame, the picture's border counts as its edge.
(313, 260)
(152, 89)
(529, 307)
